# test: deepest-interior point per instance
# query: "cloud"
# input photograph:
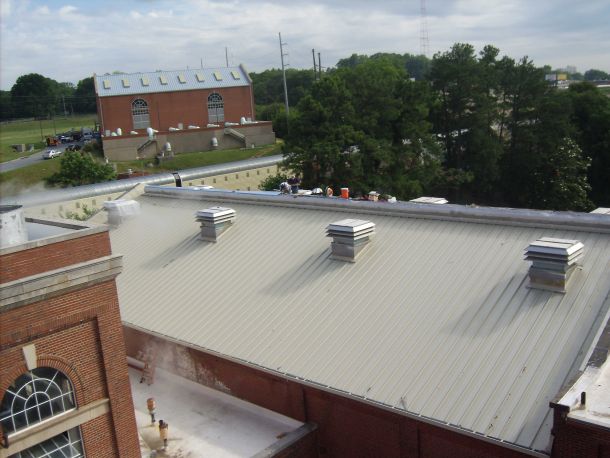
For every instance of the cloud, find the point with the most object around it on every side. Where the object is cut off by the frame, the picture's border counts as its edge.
(143, 35)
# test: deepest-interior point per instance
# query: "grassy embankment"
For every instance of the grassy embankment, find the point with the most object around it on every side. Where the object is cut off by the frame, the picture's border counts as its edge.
(33, 176)
(35, 133)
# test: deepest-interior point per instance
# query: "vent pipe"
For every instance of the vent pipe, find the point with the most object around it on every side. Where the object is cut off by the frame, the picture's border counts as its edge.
(553, 262)
(215, 221)
(350, 237)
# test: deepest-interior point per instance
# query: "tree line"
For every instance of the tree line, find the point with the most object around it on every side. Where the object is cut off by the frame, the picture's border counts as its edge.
(36, 96)
(473, 127)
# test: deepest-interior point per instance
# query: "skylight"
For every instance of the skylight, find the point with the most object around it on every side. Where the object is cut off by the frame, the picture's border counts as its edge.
(200, 77)
(163, 79)
(235, 75)
(181, 78)
(106, 84)
(218, 76)
(125, 82)
(145, 81)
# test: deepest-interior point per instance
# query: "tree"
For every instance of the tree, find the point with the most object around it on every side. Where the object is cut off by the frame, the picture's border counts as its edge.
(365, 127)
(591, 119)
(32, 95)
(85, 96)
(78, 168)
(595, 75)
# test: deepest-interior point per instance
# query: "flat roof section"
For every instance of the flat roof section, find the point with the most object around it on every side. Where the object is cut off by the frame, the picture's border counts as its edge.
(203, 421)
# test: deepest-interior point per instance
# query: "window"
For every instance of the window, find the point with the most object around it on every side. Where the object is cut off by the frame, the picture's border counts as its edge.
(216, 108)
(66, 444)
(34, 396)
(139, 113)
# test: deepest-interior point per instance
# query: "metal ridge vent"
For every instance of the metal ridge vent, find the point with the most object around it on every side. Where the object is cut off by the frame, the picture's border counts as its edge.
(350, 237)
(215, 221)
(553, 262)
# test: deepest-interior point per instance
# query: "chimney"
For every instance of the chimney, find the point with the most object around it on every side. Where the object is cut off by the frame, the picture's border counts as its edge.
(350, 237)
(214, 222)
(553, 262)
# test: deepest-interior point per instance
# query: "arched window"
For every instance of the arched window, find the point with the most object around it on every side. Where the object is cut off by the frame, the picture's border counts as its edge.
(34, 396)
(139, 113)
(216, 108)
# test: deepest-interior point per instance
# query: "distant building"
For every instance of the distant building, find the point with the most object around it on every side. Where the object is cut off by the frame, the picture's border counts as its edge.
(64, 386)
(192, 110)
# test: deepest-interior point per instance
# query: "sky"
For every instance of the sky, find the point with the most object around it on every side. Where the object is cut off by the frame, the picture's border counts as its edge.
(68, 40)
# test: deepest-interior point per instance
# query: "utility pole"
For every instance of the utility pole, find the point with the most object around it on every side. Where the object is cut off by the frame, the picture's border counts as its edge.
(284, 74)
(227, 55)
(315, 75)
(319, 66)
(63, 99)
(424, 42)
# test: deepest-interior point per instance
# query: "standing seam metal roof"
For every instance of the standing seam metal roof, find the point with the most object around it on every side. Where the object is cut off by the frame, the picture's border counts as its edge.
(434, 319)
(176, 80)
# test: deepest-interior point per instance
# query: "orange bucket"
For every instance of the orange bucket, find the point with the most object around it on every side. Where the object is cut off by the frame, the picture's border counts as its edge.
(345, 193)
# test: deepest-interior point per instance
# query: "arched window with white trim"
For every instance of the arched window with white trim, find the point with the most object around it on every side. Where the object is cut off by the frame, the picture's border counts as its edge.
(140, 115)
(33, 397)
(216, 108)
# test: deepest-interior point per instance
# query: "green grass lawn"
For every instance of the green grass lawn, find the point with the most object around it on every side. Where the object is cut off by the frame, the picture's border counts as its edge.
(29, 132)
(201, 159)
(26, 179)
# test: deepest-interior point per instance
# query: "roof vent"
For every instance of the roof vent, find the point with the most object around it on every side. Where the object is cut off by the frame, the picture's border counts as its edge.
(214, 222)
(553, 262)
(120, 210)
(602, 211)
(350, 237)
(429, 200)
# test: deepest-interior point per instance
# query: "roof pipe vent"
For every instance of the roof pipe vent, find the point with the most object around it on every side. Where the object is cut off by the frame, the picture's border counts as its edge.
(553, 262)
(215, 221)
(350, 237)
(429, 200)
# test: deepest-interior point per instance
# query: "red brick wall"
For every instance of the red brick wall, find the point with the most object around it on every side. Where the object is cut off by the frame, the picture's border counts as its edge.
(346, 427)
(575, 439)
(53, 256)
(80, 334)
(167, 109)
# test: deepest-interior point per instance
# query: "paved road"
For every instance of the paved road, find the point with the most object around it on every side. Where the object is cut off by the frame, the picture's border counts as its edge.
(29, 160)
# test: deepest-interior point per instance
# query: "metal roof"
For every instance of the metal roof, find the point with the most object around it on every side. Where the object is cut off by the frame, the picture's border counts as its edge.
(433, 320)
(170, 81)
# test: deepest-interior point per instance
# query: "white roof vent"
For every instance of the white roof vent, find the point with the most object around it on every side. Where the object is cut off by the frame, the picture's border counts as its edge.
(350, 237)
(215, 221)
(553, 262)
(429, 200)
(602, 211)
(120, 210)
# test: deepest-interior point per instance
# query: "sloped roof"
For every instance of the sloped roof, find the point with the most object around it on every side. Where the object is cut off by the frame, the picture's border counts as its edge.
(434, 319)
(170, 81)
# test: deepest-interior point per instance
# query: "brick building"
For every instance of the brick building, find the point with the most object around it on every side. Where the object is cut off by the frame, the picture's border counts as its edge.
(187, 108)
(64, 387)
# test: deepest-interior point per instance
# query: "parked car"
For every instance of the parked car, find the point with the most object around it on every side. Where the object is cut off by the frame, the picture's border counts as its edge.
(50, 154)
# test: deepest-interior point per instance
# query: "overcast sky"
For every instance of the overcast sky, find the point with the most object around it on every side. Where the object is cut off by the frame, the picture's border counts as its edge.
(68, 40)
